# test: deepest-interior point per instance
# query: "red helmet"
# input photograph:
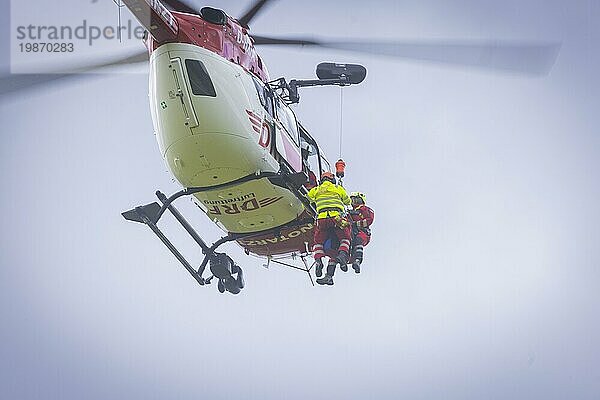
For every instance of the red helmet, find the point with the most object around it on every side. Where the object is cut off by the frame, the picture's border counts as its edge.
(327, 176)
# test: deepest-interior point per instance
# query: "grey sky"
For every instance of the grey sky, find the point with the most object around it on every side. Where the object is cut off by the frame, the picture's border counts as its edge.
(481, 280)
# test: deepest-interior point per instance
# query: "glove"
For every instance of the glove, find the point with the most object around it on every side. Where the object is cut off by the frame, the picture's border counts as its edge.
(341, 222)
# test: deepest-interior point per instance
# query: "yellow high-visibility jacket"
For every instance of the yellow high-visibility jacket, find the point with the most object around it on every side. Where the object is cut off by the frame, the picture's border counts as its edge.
(329, 198)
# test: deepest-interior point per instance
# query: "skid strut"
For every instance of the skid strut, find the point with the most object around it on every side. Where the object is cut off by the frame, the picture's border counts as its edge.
(142, 214)
(306, 268)
(222, 266)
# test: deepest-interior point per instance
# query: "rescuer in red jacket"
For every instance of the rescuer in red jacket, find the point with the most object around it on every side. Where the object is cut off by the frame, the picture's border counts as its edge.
(362, 218)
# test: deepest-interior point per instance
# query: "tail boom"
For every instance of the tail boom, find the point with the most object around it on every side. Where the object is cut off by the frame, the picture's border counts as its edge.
(156, 18)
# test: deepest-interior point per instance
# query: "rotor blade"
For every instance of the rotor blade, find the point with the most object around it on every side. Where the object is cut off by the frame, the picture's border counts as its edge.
(245, 19)
(178, 5)
(265, 40)
(16, 82)
(521, 57)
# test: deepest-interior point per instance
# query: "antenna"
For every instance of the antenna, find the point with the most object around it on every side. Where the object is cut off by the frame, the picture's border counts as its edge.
(119, 6)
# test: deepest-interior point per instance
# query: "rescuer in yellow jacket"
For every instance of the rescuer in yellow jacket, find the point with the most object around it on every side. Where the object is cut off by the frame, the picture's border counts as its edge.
(330, 200)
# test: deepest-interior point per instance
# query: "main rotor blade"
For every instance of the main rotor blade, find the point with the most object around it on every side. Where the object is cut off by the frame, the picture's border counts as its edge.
(520, 57)
(245, 19)
(178, 5)
(17, 82)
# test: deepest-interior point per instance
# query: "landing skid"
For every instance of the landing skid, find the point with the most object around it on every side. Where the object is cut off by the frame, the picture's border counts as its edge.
(306, 268)
(229, 275)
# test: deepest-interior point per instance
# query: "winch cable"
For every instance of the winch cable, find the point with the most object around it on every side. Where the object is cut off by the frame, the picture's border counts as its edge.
(340, 165)
(341, 119)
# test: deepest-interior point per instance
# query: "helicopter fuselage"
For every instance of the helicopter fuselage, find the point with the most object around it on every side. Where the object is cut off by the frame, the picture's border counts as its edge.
(217, 122)
(213, 128)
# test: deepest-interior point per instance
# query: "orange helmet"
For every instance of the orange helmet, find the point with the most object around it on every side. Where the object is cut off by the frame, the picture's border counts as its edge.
(327, 176)
(340, 167)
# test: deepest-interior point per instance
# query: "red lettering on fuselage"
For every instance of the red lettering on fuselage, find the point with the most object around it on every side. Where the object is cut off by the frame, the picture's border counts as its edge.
(231, 41)
(265, 136)
(278, 239)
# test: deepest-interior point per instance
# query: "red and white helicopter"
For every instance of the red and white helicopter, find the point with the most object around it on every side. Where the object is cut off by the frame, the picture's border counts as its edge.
(229, 137)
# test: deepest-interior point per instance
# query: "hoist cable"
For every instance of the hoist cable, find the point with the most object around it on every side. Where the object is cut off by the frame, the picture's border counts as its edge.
(341, 118)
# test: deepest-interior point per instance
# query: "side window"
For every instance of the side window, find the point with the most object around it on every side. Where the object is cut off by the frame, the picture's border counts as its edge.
(199, 79)
(325, 165)
(313, 162)
(309, 152)
(288, 120)
(263, 95)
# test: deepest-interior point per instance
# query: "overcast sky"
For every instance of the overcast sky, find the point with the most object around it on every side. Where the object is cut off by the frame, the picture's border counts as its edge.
(482, 278)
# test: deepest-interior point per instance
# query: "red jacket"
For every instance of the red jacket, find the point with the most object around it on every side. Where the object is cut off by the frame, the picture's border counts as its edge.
(363, 216)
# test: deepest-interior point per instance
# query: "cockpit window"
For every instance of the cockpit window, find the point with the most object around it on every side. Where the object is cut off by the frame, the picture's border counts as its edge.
(199, 79)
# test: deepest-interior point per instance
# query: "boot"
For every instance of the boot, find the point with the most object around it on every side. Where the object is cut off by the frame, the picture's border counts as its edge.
(356, 265)
(328, 278)
(318, 267)
(342, 259)
(357, 254)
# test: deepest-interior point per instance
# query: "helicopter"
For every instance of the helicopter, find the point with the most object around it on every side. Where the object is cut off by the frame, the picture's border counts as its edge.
(228, 135)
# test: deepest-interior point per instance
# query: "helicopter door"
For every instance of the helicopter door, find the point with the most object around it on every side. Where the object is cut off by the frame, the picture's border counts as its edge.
(183, 92)
(287, 140)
